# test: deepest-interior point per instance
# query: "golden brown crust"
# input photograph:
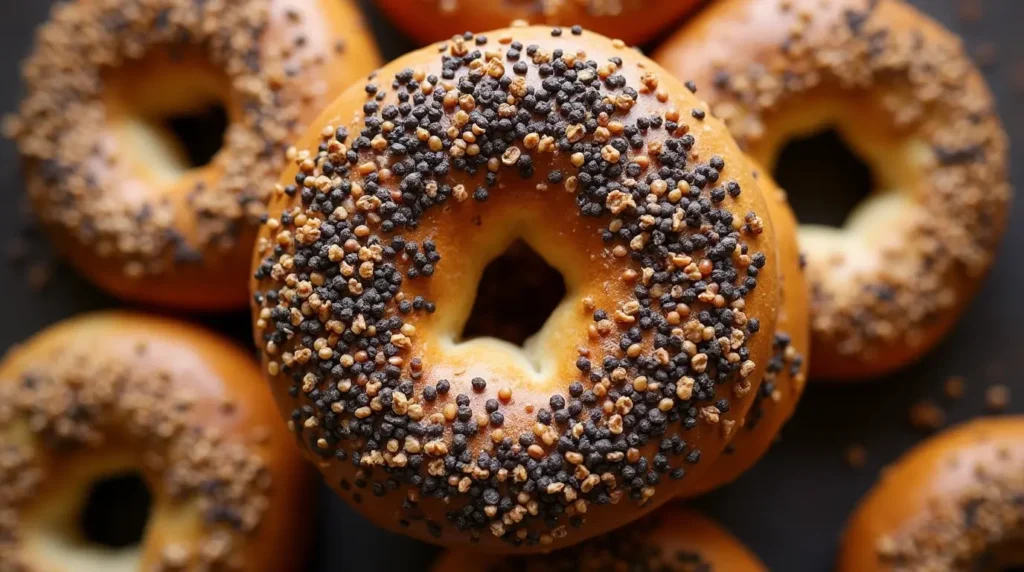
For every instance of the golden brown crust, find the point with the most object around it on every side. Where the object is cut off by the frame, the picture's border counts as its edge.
(786, 377)
(115, 191)
(954, 502)
(112, 392)
(609, 394)
(672, 539)
(894, 281)
(632, 21)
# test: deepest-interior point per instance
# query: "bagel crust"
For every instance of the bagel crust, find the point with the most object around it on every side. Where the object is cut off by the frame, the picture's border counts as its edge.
(116, 194)
(954, 502)
(786, 375)
(671, 539)
(407, 186)
(906, 97)
(632, 21)
(114, 392)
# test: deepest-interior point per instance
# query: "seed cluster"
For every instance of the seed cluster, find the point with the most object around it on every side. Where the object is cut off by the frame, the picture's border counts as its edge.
(786, 364)
(80, 401)
(929, 89)
(632, 548)
(335, 323)
(62, 132)
(966, 528)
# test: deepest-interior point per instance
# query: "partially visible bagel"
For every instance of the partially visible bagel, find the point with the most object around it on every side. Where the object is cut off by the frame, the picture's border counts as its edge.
(954, 502)
(129, 203)
(786, 377)
(903, 94)
(672, 539)
(632, 21)
(111, 394)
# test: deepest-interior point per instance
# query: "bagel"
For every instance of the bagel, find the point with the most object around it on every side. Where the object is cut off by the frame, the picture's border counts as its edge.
(954, 502)
(670, 540)
(112, 393)
(900, 90)
(117, 191)
(402, 192)
(632, 21)
(786, 375)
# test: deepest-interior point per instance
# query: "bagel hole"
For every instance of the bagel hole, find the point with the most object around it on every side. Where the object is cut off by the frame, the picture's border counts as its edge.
(170, 108)
(516, 295)
(823, 178)
(200, 132)
(116, 511)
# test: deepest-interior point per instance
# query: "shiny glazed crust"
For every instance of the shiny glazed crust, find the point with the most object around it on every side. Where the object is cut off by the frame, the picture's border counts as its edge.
(480, 442)
(784, 383)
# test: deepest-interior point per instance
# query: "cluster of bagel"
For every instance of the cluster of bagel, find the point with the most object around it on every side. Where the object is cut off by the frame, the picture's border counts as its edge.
(356, 209)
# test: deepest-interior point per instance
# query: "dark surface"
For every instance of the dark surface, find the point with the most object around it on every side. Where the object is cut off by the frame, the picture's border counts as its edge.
(790, 509)
(823, 161)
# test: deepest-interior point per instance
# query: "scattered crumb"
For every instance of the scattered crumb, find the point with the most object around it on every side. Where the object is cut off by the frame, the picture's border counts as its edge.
(856, 456)
(969, 11)
(1017, 77)
(994, 371)
(997, 398)
(39, 275)
(986, 55)
(28, 252)
(927, 415)
(17, 249)
(955, 387)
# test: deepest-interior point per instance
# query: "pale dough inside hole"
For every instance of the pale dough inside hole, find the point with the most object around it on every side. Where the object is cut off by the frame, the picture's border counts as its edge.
(516, 294)
(51, 525)
(174, 144)
(532, 353)
(468, 237)
(875, 224)
(52, 528)
(169, 113)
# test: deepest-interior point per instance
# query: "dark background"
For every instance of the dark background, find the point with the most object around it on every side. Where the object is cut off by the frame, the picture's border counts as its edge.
(790, 509)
